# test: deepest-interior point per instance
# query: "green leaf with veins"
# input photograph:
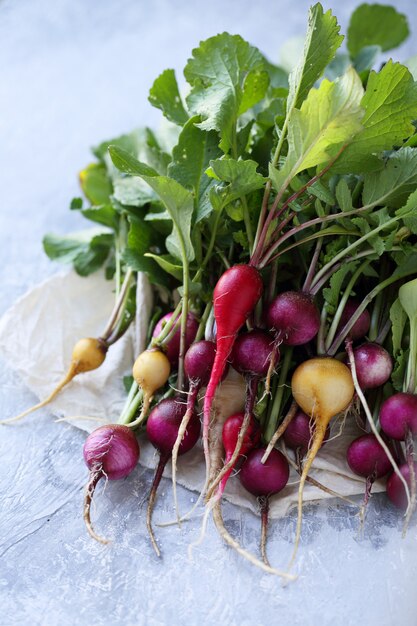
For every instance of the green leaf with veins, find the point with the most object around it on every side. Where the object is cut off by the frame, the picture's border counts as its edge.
(191, 156)
(329, 118)
(392, 184)
(390, 104)
(168, 264)
(239, 178)
(225, 74)
(376, 24)
(398, 319)
(399, 370)
(105, 215)
(87, 250)
(321, 42)
(332, 293)
(178, 201)
(164, 94)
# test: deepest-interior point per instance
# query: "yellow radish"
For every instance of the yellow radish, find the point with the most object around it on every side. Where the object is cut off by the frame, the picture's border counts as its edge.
(87, 355)
(322, 387)
(151, 371)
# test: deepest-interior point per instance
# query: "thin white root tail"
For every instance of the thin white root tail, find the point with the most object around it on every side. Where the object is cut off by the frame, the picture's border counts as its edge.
(72, 372)
(280, 431)
(227, 538)
(181, 432)
(88, 497)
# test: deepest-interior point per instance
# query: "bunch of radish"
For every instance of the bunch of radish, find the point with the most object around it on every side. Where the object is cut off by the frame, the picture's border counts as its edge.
(274, 267)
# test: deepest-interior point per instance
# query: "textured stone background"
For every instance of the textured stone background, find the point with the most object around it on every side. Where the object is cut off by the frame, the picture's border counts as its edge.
(73, 73)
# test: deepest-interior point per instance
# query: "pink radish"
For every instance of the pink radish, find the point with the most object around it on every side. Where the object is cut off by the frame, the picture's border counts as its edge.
(362, 324)
(395, 489)
(373, 365)
(299, 433)
(111, 452)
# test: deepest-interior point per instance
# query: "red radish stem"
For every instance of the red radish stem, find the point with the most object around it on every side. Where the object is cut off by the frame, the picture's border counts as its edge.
(322, 387)
(370, 419)
(110, 451)
(263, 480)
(198, 364)
(234, 298)
(162, 428)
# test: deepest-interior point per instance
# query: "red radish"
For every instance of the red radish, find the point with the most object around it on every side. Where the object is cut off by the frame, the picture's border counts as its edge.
(395, 489)
(172, 347)
(373, 365)
(162, 428)
(362, 324)
(250, 357)
(264, 480)
(198, 363)
(294, 317)
(398, 415)
(322, 387)
(87, 355)
(232, 428)
(234, 298)
(112, 452)
(299, 433)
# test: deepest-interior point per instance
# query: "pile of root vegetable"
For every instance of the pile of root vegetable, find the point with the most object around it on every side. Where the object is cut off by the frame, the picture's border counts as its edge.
(275, 216)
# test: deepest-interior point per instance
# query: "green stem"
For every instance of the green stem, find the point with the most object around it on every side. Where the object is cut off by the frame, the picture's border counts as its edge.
(339, 311)
(354, 245)
(173, 321)
(130, 411)
(184, 318)
(411, 379)
(203, 322)
(119, 305)
(210, 246)
(279, 396)
(248, 225)
(322, 331)
(371, 295)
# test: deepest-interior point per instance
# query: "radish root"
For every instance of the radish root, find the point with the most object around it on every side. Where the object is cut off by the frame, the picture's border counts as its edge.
(227, 538)
(280, 430)
(409, 446)
(264, 506)
(95, 476)
(151, 501)
(72, 372)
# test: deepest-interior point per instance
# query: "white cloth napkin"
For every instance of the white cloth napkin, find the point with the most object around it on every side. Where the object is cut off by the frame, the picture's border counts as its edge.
(37, 335)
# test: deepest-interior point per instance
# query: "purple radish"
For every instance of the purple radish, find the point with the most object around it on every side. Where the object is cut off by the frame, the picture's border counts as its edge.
(263, 480)
(300, 431)
(162, 428)
(112, 452)
(398, 419)
(294, 318)
(373, 365)
(398, 415)
(250, 357)
(395, 488)
(366, 457)
(361, 326)
(198, 363)
(172, 346)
